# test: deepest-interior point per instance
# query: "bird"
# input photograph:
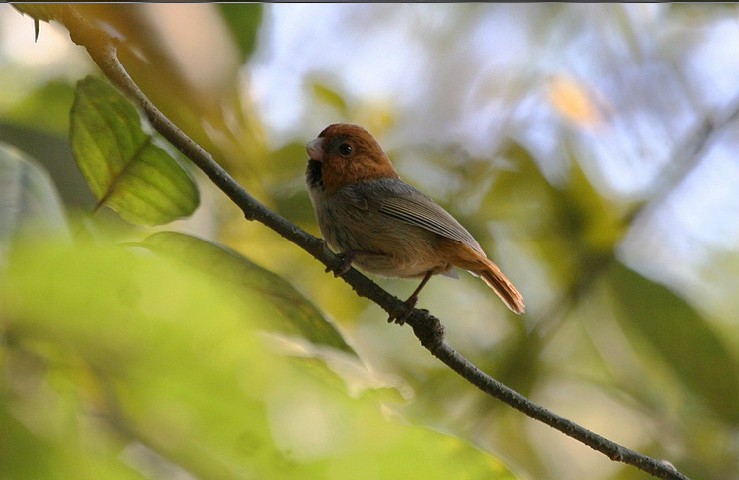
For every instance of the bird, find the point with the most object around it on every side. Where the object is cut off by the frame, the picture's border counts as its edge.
(374, 220)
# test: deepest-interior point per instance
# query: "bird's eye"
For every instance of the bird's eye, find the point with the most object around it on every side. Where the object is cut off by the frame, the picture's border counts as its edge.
(345, 149)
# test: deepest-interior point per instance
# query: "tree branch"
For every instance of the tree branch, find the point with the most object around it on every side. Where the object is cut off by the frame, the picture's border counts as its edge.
(427, 328)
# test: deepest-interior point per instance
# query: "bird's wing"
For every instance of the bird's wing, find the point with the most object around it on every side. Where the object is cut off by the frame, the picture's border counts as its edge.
(421, 211)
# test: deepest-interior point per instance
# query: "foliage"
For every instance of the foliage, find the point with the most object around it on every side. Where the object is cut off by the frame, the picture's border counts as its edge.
(146, 365)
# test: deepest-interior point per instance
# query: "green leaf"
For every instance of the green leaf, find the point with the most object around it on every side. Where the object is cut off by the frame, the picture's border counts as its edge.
(155, 352)
(519, 193)
(244, 21)
(595, 220)
(521, 196)
(124, 167)
(297, 316)
(45, 108)
(27, 198)
(122, 359)
(570, 226)
(678, 334)
(25, 455)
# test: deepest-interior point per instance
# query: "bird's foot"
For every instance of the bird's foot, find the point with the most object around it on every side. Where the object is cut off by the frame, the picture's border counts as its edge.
(346, 263)
(409, 305)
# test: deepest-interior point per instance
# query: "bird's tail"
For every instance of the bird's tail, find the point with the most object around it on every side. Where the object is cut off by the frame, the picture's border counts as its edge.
(495, 279)
(474, 260)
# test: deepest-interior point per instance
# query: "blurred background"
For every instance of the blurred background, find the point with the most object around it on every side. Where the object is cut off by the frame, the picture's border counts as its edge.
(591, 149)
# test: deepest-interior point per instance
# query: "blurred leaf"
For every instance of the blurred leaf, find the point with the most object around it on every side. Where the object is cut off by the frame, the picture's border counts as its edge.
(46, 108)
(124, 168)
(679, 335)
(329, 96)
(132, 352)
(598, 221)
(44, 12)
(27, 198)
(519, 192)
(521, 196)
(570, 226)
(299, 317)
(244, 21)
(54, 154)
(288, 183)
(24, 455)
(140, 345)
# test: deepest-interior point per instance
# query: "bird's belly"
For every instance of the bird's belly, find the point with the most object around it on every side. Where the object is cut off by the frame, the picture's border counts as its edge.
(400, 264)
(388, 248)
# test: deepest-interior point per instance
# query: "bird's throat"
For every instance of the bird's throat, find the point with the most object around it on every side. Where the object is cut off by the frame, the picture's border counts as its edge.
(314, 175)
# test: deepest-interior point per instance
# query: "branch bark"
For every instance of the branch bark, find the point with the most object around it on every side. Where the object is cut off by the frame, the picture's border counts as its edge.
(427, 328)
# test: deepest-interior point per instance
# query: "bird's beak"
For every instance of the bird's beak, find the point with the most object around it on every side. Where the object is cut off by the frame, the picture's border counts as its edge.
(315, 149)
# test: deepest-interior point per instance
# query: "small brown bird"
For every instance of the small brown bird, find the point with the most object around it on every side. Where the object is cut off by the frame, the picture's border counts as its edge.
(385, 226)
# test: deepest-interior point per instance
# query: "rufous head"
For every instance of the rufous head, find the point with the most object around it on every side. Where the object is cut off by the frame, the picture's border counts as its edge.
(348, 154)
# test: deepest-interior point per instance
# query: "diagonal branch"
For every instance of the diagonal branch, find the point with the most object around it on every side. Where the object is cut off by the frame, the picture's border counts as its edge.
(427, 328)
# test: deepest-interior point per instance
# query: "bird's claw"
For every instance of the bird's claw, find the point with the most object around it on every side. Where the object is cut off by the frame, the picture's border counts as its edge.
(346, 265)
(409, 305)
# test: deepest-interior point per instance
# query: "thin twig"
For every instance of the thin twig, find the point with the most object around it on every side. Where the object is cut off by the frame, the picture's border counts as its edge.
(427, 328)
